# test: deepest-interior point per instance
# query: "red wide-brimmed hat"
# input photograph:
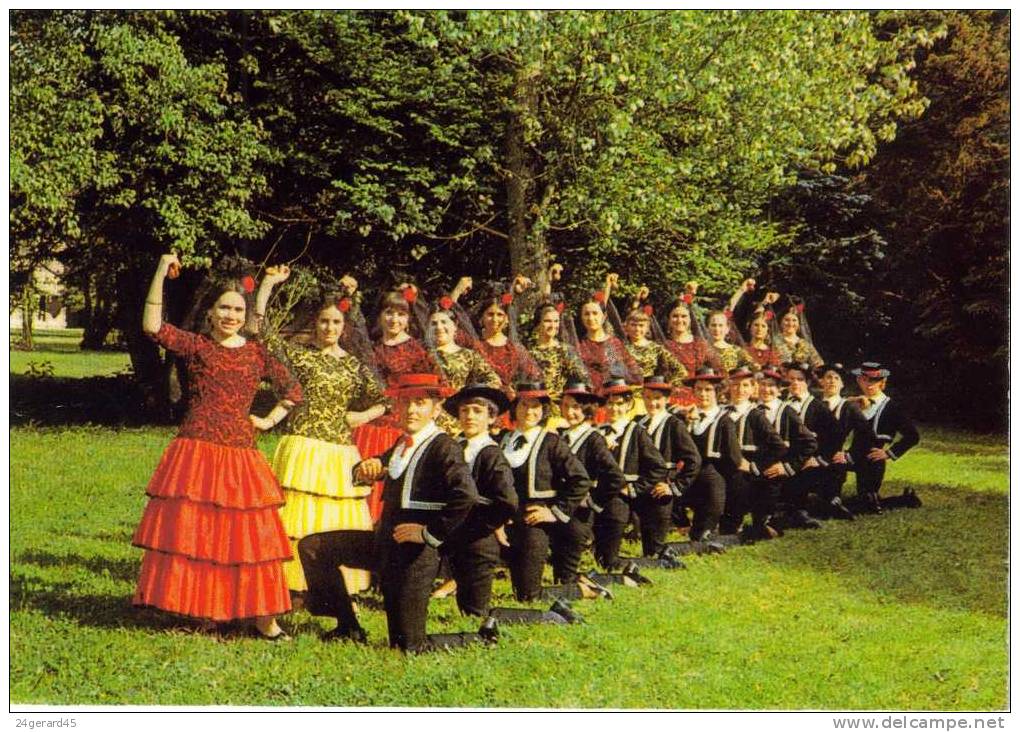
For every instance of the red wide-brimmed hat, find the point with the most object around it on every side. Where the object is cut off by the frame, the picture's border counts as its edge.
(657, 382)
(411, 386)
(531, 390)
(705, 373)
(871, 370)
(740, 372)
(771, 373)
(582, 392)
(616, 386)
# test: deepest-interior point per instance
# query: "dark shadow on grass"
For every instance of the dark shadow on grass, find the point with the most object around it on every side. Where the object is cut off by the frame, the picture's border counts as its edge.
(114, 401)
(119, 569)
(952, 553)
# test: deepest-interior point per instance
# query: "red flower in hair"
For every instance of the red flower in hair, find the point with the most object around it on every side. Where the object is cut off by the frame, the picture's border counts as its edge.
(506, 299)
(560, 306)
(446, 302)
(599, 297)
(800, 307)
(647, 310)
(344, 304)
(728, 313)
(248, 283)
(769, 315)
(410, 295)
(688, 298)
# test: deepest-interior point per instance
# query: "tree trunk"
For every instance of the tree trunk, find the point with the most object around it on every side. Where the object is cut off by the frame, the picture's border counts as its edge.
(27, 315)
(529, 254)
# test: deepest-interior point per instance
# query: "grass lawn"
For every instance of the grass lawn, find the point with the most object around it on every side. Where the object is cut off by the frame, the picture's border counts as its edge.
(59, 349)
(907, 610)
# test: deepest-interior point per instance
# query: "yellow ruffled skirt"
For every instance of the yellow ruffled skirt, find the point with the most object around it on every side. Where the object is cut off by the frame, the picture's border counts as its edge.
(318, 485)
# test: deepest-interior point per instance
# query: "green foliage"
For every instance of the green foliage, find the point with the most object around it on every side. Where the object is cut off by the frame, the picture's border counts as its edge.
(887, 612)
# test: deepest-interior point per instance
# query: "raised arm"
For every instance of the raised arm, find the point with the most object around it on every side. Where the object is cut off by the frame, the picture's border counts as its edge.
(152, 315)
(273, 277)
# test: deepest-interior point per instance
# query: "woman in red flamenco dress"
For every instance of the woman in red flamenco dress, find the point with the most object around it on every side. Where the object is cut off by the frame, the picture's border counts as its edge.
(214, 543)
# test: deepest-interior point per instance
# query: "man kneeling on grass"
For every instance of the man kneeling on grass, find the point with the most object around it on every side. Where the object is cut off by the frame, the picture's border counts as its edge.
(427, 494)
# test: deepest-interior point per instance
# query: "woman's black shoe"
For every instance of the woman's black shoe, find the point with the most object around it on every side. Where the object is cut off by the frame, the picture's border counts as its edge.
(354, 635)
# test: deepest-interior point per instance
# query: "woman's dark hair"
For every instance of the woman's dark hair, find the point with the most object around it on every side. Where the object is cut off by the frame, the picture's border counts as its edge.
(232, 274)
(589, 410)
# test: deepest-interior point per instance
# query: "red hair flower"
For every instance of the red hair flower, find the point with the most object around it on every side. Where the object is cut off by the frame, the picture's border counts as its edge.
(446, 302)
(800, 307)
(769, 315)
(506, 299)
(599, 297)
(410, 294)
(647, 310)
(344, 305)
(688, 298)
(248, 283)
(728, 313)
(560, 306)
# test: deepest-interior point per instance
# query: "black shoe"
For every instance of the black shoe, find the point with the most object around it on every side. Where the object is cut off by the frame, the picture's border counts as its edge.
(561, 608)
(632, 572)
(910, 498)
(489, 630)
(355, 634)
(839, 511)
(803, 519)
(669, 559)
(873, 504)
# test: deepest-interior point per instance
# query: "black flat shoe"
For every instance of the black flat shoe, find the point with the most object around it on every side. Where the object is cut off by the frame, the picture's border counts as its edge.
(356, 634)
(489, 630)
(281, 636)
(564, 610)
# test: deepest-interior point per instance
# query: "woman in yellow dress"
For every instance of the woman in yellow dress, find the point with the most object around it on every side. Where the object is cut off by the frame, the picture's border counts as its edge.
(314, 460)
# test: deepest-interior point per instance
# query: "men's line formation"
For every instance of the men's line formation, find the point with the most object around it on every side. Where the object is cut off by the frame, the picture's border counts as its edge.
(412, 461)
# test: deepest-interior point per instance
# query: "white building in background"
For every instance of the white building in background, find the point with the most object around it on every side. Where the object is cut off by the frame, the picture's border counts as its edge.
(50, 309)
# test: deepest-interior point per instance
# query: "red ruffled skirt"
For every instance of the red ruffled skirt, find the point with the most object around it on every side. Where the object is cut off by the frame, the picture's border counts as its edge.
(372, 440)
(214, 542)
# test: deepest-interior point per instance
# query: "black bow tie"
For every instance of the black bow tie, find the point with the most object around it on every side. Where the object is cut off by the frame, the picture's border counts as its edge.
(702, 415)
(520, 442)
(795, 400)
(607, 429)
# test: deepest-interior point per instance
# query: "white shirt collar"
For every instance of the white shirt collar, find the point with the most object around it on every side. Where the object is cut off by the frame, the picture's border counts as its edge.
(875, 404)
(474, 446)
(773, 408)
(574, 432)
(709, 413)
(619, 425)
(402, 455)
(743, 408)
(832, 401)
(516, 457)
(658, 419)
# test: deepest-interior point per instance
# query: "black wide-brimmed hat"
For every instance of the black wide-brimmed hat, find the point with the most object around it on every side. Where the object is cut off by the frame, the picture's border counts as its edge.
(531, 390)
(475, 391)
(803, 366)
(582, 392)
(612, 387)
(705, 373)
(839, 368)
(871, 370)
(657, 382)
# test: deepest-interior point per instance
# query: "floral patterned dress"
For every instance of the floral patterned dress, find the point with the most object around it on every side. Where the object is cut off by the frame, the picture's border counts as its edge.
(558, 363)
(214, 544)
(693, 355)
(607, 358)
(314, 461)
(461, 367)
(378, 436)
(511, 362)
(731, 356)
(762, 357)
(799, 351)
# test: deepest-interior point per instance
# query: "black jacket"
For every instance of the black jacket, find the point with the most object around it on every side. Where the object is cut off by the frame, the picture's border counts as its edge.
(888, 421)
(497, 496)
(674, 443)
(551, 476)
(642, 465)
(850, 420)
(593, 452)
(435, 489)
(815, 415)
(801, 442)
(760, 444)
(718, 446)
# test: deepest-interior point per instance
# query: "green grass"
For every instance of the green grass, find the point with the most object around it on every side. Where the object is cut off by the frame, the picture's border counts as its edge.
(58, 349)
(907, 610)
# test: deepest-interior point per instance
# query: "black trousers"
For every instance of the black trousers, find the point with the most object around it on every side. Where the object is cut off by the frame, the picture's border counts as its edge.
(654, 515)
(406, 575)
(739, 490)
(529, 547)
(609, 527)
(869, 474)
(707, 498)
(473, 564)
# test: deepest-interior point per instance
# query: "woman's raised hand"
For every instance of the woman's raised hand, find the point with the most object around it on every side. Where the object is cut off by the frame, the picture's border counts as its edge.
(170, 265)
(348, 284)
(748, 285)
(522, 283)
(770, 297)
(691, 287)
(643, 293)
(612, 279)
(555, 272)
(277, 274)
